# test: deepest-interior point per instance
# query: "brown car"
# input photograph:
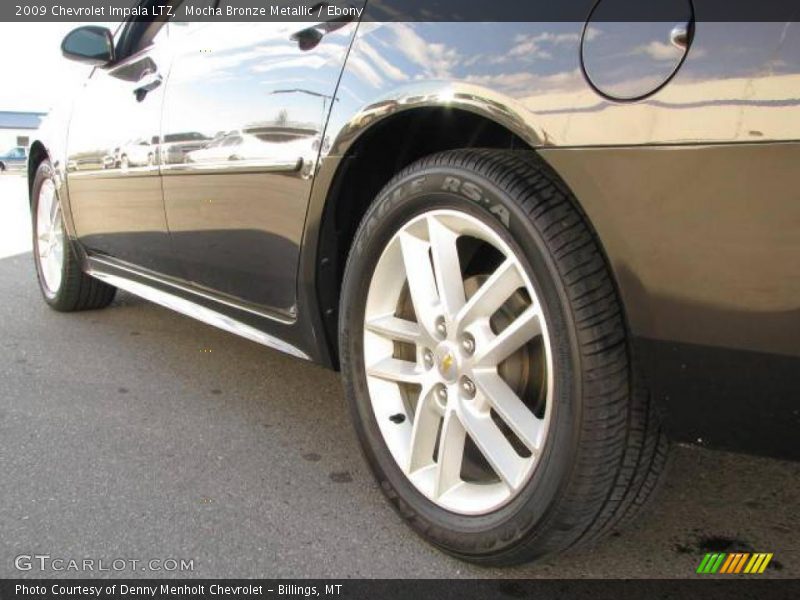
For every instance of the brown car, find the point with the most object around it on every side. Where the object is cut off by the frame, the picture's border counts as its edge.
(536, 251)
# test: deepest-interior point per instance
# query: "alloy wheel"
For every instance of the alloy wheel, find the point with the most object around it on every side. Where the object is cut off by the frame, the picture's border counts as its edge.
(49, 237)
(458, 362)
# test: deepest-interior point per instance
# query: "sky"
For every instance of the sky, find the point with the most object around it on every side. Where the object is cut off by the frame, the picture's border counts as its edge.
(35, 75)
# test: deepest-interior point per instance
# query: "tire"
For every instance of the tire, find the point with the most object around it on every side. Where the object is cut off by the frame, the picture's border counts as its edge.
(66, 288)
(2, 167)
(602, 451)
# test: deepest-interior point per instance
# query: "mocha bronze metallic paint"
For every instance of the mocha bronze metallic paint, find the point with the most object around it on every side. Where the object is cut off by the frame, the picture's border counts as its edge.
(704, 240)
(692, 188)
(694, 201)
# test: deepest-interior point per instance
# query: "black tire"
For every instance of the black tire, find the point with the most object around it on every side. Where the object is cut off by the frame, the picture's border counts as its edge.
(77, 291)
(605, 450)
(2, 167)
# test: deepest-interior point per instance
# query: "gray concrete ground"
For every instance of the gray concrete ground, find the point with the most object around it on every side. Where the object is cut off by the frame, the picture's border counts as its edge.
(136, 433)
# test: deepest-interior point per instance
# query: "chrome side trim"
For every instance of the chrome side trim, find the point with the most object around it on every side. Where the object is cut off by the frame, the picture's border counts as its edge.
(151, 171)
(226, 168)
(194, 310)
(231, 167)
(96, 260)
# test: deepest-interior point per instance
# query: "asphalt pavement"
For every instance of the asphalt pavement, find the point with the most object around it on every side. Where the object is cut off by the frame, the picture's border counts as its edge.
(135, 433)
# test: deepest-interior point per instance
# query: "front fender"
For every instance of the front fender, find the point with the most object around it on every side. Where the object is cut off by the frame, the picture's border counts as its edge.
(51, 143)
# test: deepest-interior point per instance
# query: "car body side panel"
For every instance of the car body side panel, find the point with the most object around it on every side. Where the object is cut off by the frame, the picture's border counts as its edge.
(705, 245)
(236, 206)
(704, 240)
(692, 190)
(708, 230)
(113, 175)
(737, 84)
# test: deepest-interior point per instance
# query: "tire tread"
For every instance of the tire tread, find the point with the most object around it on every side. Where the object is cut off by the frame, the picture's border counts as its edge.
(623, 449)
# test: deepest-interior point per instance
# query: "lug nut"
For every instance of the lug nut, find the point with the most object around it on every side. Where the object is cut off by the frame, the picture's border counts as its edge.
(467, 387)
(468, 344)
(441, 328)
(427, 358)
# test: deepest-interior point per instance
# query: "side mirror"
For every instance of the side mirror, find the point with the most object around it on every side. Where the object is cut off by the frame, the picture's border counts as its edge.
(91, 45)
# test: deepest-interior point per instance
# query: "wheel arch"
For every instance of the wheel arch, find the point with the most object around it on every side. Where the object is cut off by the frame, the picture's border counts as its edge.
(36, 155)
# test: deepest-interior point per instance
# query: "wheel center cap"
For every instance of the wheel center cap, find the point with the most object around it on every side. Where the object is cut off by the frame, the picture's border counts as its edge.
(447, 361)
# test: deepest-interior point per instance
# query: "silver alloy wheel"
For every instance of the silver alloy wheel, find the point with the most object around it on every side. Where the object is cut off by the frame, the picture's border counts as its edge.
(49, 237)
(438, 373)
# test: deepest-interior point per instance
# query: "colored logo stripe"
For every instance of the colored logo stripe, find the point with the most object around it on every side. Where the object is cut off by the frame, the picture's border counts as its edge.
(734, 563)
(722, 562)
(711, 562)
(758, 563)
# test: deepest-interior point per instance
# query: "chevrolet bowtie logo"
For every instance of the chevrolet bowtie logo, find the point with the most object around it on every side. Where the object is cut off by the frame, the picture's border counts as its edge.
(447, 362)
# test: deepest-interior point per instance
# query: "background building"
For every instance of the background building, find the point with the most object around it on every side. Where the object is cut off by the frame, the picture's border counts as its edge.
(18, 128)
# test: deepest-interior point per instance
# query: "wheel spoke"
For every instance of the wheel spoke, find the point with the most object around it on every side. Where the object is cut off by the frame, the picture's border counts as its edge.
(57, 254)
(522, 329)
(424, 432)
(421, 282)
(43, 225)
(492, 294)
(42, 228)
(393, 369)
(446, 265)
(55, 214)
(451, 454)
(394, 328)
(494, 446)
(511, 409)
(49, 236)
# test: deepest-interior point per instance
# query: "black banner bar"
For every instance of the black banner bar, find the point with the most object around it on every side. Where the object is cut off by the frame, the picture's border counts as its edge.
(394, 10)
(383, 589)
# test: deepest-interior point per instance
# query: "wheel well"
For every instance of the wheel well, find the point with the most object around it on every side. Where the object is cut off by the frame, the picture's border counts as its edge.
(35, 157)
(369, 164)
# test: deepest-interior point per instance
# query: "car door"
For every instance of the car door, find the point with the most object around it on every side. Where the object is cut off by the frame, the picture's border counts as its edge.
(113, 175)
(260, 94)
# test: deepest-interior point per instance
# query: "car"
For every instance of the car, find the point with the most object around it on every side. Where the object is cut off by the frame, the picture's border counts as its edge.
(175, 146)
(255, 143)
(15, 158)
(136, 153)
(539, 253)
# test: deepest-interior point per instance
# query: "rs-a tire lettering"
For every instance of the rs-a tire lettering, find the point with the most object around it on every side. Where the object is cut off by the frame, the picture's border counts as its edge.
(473, 192)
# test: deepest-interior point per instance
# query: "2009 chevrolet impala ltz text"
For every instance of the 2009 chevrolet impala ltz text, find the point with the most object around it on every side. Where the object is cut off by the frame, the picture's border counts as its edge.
(537, 252)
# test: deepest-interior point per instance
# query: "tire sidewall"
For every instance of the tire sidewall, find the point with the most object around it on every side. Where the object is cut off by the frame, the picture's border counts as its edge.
(404, 198)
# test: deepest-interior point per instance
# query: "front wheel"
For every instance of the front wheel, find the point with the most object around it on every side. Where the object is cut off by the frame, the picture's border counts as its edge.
(487, 363)
(63, 284)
